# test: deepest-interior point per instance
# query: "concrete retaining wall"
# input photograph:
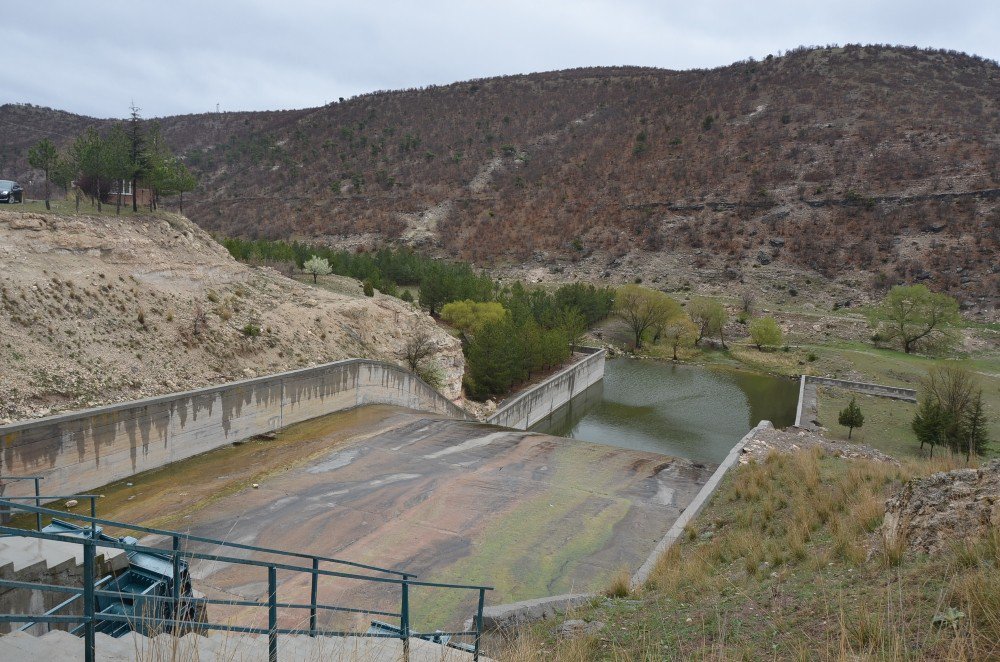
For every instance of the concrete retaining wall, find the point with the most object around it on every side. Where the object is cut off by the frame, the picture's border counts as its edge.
(539, 401)
(79, 451)
(895, 392)
(806, 411)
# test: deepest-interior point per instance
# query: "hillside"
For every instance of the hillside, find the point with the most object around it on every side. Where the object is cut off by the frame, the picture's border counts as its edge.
(872, 165)
(97, 309)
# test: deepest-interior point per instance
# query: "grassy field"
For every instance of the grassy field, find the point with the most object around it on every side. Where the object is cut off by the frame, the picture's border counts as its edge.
(787, 563)
(887, 422)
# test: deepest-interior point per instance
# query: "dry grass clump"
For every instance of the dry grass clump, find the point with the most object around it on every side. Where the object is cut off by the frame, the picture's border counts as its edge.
(527, 647)
(620, 585)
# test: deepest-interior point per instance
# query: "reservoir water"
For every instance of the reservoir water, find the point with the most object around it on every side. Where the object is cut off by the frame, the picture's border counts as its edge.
(686, 411)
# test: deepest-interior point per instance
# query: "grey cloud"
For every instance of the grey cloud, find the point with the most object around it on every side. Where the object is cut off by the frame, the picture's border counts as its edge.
(186, 56)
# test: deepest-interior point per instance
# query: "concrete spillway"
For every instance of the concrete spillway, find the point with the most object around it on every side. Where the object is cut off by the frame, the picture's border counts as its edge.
(451, 500)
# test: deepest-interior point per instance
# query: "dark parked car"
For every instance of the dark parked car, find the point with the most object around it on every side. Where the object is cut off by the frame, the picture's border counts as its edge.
(11, 191)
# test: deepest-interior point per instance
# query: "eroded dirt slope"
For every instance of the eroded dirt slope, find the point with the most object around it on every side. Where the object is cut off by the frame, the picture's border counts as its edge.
(101, 309)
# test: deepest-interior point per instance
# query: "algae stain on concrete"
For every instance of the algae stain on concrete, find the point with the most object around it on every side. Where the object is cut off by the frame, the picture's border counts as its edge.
(529, 550)
(170, 496)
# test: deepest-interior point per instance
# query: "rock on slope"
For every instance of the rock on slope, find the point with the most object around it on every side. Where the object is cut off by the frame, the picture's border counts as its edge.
(945, 508)
(96, 309)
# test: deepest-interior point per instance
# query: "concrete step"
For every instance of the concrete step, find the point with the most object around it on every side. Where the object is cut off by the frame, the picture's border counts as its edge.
(59, 646)
(55, 646)
(23, 556)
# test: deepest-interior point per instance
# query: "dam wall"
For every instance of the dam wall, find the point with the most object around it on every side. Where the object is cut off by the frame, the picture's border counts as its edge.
(534, 404)
(79, 451)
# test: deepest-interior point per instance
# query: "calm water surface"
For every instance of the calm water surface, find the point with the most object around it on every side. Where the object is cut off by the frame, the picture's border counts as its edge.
(693, 412)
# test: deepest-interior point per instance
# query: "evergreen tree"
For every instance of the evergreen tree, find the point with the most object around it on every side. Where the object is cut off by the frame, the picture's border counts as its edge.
(851, 417)
(118, 161)
(88, 153)
(44, 157)
(436, 288)
(137, 153)
(975, 428)
(931, 424)
(573, 325)
(495, 359)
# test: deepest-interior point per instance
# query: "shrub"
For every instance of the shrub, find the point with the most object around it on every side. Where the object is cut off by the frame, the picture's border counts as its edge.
(765, 332)
(470, 316)
(433, 374)
(251, 330)
(368, 288)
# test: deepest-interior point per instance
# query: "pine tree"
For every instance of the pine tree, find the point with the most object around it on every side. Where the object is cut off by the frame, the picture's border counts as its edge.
(851, 417)
(44, 157)
(975, 428)
(931, 424)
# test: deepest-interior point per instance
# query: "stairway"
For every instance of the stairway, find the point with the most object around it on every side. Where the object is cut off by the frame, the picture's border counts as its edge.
(30, 557)
(59, 646)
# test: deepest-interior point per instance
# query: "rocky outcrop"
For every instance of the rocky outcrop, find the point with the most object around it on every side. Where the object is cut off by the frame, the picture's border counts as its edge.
(930, 514)
(772, 440)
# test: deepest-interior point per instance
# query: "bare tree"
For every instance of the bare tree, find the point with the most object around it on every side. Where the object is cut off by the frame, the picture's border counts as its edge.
(417, 348)
(199, 320)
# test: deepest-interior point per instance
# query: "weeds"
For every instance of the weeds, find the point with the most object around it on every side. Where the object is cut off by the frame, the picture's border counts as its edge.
(620, 585)
(788, 562)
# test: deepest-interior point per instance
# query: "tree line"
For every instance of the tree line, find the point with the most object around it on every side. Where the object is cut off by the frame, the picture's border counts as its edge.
(523, 332)
(128, 154)
(509, 332)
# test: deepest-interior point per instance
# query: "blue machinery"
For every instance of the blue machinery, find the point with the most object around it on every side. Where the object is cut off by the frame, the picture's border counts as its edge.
(155, 591)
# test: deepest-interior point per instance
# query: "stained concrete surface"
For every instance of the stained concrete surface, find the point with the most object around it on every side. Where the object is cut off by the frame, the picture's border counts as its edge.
(453, 501)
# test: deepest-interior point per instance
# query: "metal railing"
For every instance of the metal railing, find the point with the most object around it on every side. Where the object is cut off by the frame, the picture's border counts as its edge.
(178, 603)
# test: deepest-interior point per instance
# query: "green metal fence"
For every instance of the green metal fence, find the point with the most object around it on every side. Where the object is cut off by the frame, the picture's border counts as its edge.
(89, 593)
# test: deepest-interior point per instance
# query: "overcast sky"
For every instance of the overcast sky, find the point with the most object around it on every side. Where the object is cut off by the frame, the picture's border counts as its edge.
(182, 56)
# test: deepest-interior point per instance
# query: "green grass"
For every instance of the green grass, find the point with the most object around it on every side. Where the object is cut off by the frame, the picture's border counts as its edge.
(782, 565)
(891, 419)
(887, 422)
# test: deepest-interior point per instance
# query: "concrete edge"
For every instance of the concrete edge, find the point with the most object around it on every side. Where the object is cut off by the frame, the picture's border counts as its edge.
(798, 407)
(62, 417)
(513, 614)
(868, 388)
(695, 507)
(592, 352)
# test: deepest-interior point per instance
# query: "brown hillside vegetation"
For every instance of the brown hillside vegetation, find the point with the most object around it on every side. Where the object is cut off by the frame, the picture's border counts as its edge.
(830, 160)
(97, 309)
